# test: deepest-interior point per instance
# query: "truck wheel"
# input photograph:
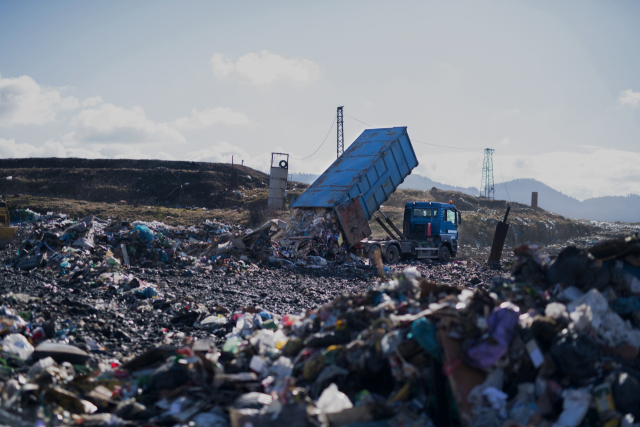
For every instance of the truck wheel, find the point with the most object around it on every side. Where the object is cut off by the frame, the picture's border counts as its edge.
(393, 255)
(370, 254)
(445, 256)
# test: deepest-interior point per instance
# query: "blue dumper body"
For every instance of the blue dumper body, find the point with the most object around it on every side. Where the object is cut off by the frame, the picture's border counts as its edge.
(362, 179)
(372, 167)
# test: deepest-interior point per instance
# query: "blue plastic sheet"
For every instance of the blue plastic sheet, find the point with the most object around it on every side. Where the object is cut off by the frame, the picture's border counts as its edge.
(145, 234)
(424, 332)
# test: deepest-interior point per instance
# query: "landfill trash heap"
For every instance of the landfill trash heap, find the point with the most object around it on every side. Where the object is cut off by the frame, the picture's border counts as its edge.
(553, 342)
(95, 251)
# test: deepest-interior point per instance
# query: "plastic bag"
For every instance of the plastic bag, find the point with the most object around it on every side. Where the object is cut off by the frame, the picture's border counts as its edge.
(145, 234)
(574, 407)
(424, 332)
(576, 355)
(484, 353)
(331, 401)
(17, 344)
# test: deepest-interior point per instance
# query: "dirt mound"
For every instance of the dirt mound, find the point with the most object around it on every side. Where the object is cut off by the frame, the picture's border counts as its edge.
(150, 182)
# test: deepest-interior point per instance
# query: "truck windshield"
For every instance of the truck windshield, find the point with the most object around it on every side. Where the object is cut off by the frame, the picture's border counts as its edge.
(449, 215)
(422, 213)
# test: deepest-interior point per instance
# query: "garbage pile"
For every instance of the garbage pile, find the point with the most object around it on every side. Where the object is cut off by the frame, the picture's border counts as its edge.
(91, 250)
(311, 238)
(553, 342)
(315, 233)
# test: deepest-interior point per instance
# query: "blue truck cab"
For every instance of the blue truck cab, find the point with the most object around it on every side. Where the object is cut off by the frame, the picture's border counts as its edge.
(432, 225)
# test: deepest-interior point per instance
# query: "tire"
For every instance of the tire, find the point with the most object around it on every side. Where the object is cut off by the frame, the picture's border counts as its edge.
(393, 255)
(370, 253)
(283, 164)
(444, 256)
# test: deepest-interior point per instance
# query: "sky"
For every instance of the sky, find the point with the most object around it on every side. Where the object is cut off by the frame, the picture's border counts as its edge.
(553, 87)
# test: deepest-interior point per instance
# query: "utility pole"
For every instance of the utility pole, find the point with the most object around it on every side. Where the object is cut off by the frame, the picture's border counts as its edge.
(486, 187)
(339, 119)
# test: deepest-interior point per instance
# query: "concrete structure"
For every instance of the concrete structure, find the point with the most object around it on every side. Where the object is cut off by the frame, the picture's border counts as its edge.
(534, 199)
(278, 180)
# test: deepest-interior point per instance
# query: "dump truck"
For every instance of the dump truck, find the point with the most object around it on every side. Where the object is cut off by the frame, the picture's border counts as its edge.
(357, 184)
(7, 232)
(429, 231)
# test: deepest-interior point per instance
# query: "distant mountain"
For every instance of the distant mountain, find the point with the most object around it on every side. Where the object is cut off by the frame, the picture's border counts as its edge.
(610, 208)
(305, 178)
(419, 182)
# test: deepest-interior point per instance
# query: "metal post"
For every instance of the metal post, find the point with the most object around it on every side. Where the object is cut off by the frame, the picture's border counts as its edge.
(534, 200)
(498, 239)
(339, 121)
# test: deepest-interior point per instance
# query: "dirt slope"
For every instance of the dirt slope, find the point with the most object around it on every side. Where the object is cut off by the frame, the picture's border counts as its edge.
(149, 182)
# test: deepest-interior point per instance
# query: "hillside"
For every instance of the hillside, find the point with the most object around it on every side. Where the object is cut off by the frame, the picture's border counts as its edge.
(611, 208)
(144, 182)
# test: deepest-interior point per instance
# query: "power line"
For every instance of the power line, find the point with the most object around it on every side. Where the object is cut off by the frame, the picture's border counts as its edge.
(359, 120)
(443, 146)
(325, 139)
(415, 140)
(505, 186)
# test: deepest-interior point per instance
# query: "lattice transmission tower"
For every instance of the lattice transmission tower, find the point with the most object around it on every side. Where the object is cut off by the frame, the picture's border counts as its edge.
(339, 119)
(486, 187)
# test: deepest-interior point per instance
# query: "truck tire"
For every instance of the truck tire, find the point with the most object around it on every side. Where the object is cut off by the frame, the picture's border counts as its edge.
(370, 253)
(444, 256)
(393, 255)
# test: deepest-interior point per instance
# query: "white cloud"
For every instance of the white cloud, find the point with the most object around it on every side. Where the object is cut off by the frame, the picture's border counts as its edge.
(111, 124)
(210, 117)
(9, 149)
(92, 102)
(629, 97)
(220, 152)
(222, 65)
(264, 68)
(24, 102)
(505, 141)
(125, 151)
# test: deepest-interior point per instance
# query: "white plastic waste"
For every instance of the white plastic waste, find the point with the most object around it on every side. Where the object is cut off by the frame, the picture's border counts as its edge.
(609, 328)
(331, 401)
(282, 367)
(17, 344)
(497, 399)
(556, 310)
(574, 407)
(210, 419)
